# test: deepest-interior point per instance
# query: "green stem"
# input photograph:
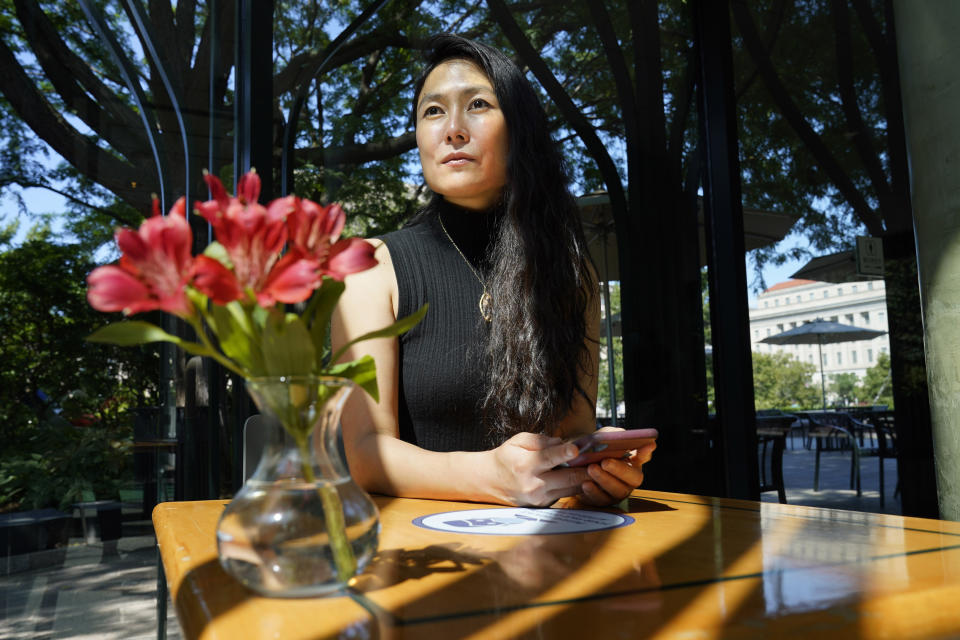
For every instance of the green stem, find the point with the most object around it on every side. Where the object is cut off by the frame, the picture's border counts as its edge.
(333, 514)
(213, 352)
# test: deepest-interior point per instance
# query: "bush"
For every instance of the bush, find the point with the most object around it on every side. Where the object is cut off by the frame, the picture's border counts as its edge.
(60, 462)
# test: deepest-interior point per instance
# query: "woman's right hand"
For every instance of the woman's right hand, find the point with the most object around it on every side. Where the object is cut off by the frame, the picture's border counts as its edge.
(525, 471)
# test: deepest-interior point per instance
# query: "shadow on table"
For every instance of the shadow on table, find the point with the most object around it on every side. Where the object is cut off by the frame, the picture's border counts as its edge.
(725, 576)
(223, 593)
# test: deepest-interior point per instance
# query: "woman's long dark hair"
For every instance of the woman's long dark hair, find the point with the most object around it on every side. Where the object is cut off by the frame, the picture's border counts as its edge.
(540, 280)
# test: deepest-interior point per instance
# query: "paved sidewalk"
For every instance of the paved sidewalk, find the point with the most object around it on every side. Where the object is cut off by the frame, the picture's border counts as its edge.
(102, 591)
(108, 591)
(835, 491)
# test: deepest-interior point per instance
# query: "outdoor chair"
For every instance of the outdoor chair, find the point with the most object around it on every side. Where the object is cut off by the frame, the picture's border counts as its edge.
(885, 437)
(834, 431)
(772, 433)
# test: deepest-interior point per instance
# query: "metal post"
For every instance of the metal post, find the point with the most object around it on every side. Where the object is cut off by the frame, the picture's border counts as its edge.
(611, 360)
(823, 388)
(611, 365)
(723, 215)
(253, 145)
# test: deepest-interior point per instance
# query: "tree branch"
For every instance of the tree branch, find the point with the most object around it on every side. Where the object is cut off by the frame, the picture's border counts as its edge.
(26, 183)
(360, 153)
(645, 24)
(115, 175)
(618, 67)
(862, 139)
(104, 113)
(290, 77)
(549, 82)
(773, 29)
(185, 34)
(364, 92)
(791, 113)
(210, 36)
(683, 100)
(884, 46)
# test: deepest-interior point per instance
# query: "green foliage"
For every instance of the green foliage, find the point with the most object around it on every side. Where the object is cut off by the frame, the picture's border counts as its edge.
(780, 171)
(780, 381)
(603, 390)
(877, 388)
(844, 389)
(60, 462)
(707, 336)
(50, 378)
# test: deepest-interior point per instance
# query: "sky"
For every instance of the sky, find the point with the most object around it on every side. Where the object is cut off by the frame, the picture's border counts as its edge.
(774, 274)
(37, 200)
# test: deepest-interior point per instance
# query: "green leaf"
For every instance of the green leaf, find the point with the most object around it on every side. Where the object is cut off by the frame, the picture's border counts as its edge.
(400, 326)
(229, 328)
(287, 348)
(131, 333)
(197, 299)
(136, 332)
(258, 318)
(243, 320)
(362, 371)
(219, 253)
(320, 309)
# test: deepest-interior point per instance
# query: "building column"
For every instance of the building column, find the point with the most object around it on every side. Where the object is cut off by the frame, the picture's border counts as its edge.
(928, 54)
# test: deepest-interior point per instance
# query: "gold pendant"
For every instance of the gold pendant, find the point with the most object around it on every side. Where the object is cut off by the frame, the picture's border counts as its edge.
(486, 306)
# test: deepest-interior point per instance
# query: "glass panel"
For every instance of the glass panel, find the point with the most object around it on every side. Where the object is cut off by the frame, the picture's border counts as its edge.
(109, 103)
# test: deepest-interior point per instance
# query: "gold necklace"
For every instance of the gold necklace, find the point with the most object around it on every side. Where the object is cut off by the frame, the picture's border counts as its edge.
(486, 301)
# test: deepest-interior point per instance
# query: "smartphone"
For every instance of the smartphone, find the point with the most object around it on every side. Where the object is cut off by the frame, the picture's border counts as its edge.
(598, 445)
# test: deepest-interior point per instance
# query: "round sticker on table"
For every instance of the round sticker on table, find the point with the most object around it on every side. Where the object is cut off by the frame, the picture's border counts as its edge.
(518, 521)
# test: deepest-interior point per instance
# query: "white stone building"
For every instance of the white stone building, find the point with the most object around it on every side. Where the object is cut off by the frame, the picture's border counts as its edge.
(789, 304)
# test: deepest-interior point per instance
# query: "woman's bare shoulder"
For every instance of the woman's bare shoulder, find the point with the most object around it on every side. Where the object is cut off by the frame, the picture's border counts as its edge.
(375, 287)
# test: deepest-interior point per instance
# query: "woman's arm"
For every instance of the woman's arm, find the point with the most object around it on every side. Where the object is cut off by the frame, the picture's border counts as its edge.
(520, 471)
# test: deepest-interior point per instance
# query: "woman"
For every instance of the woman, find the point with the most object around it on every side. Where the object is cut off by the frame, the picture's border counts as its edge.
(479, 401)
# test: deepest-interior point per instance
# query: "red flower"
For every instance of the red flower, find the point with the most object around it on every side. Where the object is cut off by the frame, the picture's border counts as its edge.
(214, 280)
(153, 271)
(253, 237)
(348, 256)
(314, 232)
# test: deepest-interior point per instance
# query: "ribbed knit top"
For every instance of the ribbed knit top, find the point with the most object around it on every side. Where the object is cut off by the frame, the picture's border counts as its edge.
(441, 372)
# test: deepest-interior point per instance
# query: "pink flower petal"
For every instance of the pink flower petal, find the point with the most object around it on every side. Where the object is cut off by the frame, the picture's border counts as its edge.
(215, 281)
(347, 256)
(248, 189)
(110, 288)
(293, 279)
(217, 192)
(132, 244)
(334, 219)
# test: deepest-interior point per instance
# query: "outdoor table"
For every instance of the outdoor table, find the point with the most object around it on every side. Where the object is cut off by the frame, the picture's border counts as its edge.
(684, 566)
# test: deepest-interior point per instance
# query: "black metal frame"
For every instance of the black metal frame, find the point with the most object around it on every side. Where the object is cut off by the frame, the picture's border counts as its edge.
(723, 216)
(253, 147)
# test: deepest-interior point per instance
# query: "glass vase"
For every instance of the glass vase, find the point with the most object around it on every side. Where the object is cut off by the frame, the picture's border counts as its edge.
(300, 526)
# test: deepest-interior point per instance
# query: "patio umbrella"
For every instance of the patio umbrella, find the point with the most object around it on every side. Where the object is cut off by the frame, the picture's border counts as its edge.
(821, 332)
(760, 229)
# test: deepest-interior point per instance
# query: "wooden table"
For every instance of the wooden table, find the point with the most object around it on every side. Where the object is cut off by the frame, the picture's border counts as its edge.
(687, 567)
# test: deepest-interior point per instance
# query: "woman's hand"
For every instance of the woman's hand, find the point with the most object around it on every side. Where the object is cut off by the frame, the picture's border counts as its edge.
(613, 479)
(525, 471)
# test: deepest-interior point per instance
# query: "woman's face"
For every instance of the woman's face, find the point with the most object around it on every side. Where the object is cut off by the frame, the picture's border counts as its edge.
(462, 135)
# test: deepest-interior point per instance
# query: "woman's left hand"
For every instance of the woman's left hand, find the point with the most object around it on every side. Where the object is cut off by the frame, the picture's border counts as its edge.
(613, 479)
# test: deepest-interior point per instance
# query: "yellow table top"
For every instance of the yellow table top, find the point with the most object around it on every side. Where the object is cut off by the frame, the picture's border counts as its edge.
(687, 566)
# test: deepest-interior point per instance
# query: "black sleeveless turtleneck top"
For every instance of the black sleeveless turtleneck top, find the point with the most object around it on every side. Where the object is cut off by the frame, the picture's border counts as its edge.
(442, 377)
